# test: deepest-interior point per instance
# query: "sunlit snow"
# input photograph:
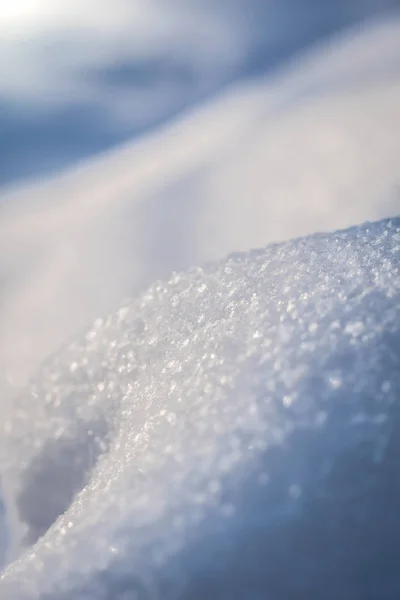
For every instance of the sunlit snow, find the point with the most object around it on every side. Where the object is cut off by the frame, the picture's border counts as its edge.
(230, 434)
(313, 148)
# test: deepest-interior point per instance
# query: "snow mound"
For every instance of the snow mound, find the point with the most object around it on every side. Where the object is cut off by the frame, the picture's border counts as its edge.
(231, 434)
(312, 147)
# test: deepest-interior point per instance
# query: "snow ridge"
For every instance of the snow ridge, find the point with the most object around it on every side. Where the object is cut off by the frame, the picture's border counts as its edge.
(232, 433)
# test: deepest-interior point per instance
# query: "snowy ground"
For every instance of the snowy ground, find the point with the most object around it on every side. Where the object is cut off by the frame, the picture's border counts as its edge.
(230, 434)
(266, 380)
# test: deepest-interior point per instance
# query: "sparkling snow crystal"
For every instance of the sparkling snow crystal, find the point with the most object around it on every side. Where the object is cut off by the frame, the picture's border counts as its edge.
(231, 434)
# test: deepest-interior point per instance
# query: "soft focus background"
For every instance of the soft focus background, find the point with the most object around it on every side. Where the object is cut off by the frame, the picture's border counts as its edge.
(77, 76)
(241, 122)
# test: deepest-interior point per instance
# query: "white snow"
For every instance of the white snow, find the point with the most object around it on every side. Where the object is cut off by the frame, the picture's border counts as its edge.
(314, 148)
(229, 434)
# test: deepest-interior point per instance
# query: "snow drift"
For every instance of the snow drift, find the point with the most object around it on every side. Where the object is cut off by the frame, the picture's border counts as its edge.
(313, 148)
(232, 433)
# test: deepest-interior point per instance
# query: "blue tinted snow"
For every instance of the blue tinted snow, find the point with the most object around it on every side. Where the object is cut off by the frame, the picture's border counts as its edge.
(230, 434)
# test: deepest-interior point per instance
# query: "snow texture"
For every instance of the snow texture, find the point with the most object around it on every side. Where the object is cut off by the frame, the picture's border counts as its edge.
(313, 147)
(231, 434)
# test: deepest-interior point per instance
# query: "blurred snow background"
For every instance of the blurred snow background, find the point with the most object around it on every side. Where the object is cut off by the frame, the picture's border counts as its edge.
(77, 76)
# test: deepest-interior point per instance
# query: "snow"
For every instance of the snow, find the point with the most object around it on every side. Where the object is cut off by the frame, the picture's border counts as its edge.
(231, 433)
(313, 148)
(165, 54)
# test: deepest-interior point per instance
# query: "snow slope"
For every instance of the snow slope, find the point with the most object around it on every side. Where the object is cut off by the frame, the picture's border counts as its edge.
(313, 148)
(230, 434)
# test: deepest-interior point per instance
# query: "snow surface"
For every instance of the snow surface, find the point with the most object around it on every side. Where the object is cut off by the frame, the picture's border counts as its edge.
(232, 433)
(314, 148)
